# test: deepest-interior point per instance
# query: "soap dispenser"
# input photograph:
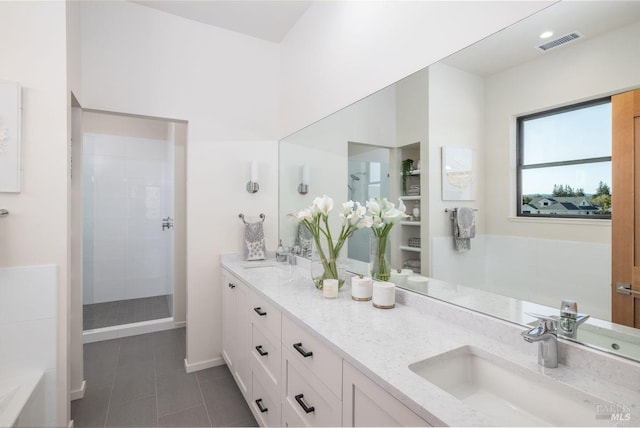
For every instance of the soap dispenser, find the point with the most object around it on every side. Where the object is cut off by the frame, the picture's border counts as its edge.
(281, 255)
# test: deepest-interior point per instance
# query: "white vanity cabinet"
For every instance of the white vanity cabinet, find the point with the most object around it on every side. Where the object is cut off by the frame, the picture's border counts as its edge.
(365, 404)
(290, 377)
(312, 379)
(265, 360)
(236, 332)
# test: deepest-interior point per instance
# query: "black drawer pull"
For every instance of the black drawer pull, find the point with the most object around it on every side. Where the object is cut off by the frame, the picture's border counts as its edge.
(232, 285)
(300, 349)
(259, 311)
(260, 406)
(260, 351)
(302, 404)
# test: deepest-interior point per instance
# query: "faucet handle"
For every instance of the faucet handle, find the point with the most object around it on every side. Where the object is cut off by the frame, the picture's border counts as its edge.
(569, 308)
(549, 323)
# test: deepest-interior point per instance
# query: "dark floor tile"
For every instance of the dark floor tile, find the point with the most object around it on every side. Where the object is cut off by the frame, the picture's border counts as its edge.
(213, 373)
(174, 337)
(136, 349)
(136, 413)
(91, 411)
(100, 362)
(136, 380)
(194, 417)
(246, 423)
(177, 391)
(169, 358)
(224, 401)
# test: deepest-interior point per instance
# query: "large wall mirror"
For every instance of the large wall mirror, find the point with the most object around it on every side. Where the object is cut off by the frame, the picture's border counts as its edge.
(470, 103)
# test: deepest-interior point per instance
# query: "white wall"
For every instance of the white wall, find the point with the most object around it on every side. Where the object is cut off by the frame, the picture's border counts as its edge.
(456, 119)
(341, 51)
(33, 46)
(28, 314)
(142, 61)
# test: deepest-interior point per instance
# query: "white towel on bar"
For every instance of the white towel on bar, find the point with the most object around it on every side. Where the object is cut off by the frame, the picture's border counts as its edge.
(464, 228)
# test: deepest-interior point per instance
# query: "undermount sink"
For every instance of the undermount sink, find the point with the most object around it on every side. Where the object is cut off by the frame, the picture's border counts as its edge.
(507, 393)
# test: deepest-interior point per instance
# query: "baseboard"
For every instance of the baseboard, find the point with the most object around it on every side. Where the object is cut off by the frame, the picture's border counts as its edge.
(70, 424)
(190, 368)
(118, 331)
(180, 324)
(77, 394)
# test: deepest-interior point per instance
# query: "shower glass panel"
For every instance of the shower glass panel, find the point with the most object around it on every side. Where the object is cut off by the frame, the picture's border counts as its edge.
(128, 186)
(368, 178)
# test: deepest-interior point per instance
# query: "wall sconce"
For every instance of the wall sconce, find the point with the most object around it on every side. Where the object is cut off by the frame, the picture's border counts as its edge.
(303, 187)
(252, 185)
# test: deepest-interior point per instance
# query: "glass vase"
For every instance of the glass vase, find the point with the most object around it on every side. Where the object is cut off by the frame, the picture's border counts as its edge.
(323, 267)
(378, 259)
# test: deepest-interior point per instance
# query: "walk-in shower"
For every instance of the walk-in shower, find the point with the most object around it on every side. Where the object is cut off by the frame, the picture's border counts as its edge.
(368, 171)
(128, 211)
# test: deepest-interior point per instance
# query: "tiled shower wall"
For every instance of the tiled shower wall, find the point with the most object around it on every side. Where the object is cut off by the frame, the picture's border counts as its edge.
(128, 187)
(544, 271)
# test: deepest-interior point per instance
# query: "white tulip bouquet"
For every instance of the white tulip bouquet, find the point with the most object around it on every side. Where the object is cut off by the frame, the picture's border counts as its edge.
(316, 220)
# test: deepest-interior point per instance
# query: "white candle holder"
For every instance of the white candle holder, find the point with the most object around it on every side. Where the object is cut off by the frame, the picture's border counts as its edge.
(361, 288)
(330, 288)
(384, 295)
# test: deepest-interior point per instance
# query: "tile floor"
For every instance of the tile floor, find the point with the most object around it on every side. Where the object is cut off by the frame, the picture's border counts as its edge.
(98, 315)
(140, 381)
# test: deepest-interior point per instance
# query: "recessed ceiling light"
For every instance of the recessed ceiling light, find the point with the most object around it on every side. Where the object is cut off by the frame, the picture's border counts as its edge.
(546, 34)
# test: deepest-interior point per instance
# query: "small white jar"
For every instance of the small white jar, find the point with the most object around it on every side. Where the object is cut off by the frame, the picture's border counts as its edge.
(417, 282)
(361, 288)
(384, 295)
(330, 288)
(399, 276)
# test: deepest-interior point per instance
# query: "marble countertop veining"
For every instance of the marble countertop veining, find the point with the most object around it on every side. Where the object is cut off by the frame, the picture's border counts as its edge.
(383, 343)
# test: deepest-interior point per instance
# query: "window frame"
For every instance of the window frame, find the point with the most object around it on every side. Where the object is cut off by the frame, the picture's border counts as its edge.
(520, 154)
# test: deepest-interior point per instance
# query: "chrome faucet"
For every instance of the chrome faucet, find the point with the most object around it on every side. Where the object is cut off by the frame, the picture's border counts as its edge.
(545, 334)
(570, 319)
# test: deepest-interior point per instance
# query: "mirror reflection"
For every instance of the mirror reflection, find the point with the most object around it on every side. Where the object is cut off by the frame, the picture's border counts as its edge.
(472, 101)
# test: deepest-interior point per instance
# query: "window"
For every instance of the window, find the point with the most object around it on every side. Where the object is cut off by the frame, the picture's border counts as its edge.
(564, 162)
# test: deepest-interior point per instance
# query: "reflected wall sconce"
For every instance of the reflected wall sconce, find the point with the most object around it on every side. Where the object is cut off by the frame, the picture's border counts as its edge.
(252, 185)
(303, 187)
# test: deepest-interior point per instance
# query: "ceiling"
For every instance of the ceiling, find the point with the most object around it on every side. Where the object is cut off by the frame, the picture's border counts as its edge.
(267, 20)
(517, 44)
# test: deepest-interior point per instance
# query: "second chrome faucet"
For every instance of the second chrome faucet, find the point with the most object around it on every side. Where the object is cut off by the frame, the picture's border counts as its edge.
(545, 335)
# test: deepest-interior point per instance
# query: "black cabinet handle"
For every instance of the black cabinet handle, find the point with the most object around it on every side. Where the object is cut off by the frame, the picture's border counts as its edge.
(260, 351)
(259, 311)
(300, 349)
(260, 406)
(231, 285)
(302, 404)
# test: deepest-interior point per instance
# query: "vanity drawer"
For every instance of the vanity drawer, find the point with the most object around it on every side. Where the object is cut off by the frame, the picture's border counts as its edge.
(313, 355)
(265, 315)
(266, 355)
(265, 402)
(306, 398)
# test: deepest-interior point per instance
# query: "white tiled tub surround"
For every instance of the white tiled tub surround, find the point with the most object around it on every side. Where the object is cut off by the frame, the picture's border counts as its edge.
(383, 343)
(28, 316)
(542, 270)
(127, 192)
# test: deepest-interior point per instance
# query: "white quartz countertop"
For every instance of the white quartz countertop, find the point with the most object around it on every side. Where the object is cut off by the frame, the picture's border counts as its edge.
(383, 343)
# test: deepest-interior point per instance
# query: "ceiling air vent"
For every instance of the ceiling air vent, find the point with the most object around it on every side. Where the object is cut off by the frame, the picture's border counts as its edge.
(560, 41)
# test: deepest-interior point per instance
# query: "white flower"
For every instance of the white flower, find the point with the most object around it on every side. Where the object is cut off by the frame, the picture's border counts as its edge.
(366, 221)
(323, 204)
(360, 210)
(374, 207)
(304, 214)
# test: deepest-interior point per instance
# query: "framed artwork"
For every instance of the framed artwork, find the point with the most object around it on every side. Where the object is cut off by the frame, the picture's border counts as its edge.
(458, 180)
(9, 137)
